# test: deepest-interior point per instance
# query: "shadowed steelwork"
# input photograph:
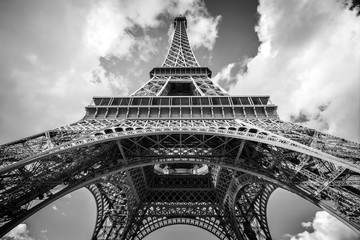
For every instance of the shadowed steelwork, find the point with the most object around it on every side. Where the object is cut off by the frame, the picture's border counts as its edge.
(180, 150)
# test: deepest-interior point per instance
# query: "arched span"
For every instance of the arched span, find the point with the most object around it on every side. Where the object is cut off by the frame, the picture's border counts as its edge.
(246, 133)
(111, 138)
(96, 176)
(112, 200)
(251, 195)
(212, 227)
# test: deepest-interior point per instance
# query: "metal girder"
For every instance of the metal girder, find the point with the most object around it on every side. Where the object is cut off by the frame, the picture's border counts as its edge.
(325, 142)
(180, 53)
(243, 131)
(155, 217)
(250, 210)
(200, 148)
(153, 87)
(114, 204)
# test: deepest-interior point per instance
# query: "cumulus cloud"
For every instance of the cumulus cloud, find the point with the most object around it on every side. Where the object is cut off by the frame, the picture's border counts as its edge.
(306, 224)
(224, 74)
(110, 23)
(326, 227)
(228, 75)
(308, 62)
(45, 67)
(203, 30)
(20, 232)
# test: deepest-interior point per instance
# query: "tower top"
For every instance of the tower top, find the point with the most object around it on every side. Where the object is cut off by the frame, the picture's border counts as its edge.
(180, 53)
(180, 74)
(180, 19)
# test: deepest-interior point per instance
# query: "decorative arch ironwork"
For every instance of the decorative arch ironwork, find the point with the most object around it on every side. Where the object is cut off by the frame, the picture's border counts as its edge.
(210, 225)
(283, 161)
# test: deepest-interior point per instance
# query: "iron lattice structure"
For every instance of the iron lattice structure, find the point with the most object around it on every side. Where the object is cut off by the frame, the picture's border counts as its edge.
(180, 150)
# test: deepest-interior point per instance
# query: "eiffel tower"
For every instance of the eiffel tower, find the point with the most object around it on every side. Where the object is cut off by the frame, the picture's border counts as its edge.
(180, 150)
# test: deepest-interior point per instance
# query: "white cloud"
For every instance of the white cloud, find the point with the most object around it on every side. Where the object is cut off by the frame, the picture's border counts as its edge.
(306, 224)
(308, 62)
(20, 232)
(147, 46)
(105, 26)
(326, 227)
(224, 74)
(46, 76)
(118, 83)
(203, 30)
(109, 22)
(55, 208)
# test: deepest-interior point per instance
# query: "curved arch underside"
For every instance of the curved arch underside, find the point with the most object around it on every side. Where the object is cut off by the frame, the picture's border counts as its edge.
(116, 163)
(218, 217)
(158, 223)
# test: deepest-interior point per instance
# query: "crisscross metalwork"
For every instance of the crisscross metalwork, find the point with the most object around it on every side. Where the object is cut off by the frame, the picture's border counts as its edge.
(180, 150)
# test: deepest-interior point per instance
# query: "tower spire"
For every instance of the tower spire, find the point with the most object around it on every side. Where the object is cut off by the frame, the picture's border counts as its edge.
(180, 53)
(180, 74)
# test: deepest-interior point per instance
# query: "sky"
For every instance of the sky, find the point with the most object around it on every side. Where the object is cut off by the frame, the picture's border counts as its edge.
(56, 55)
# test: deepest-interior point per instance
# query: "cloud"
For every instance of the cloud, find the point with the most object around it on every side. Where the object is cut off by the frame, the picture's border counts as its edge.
(44, 71)
(56, 209)
(110, 25)
(309, 58)
(20, 232)
(224, 74)
(306, 224)
(228, 75)
(203, 30)
(326, 227)
(105, 28)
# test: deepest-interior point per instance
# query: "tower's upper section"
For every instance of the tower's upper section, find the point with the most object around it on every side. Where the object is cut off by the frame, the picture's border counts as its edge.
(180, 53)
(181, 89)
(180, 19)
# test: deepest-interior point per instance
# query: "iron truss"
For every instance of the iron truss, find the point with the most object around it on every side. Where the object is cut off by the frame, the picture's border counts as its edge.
(247, 156)
(160, 86)
(127, 155)
(180, 53)
(180, 56)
